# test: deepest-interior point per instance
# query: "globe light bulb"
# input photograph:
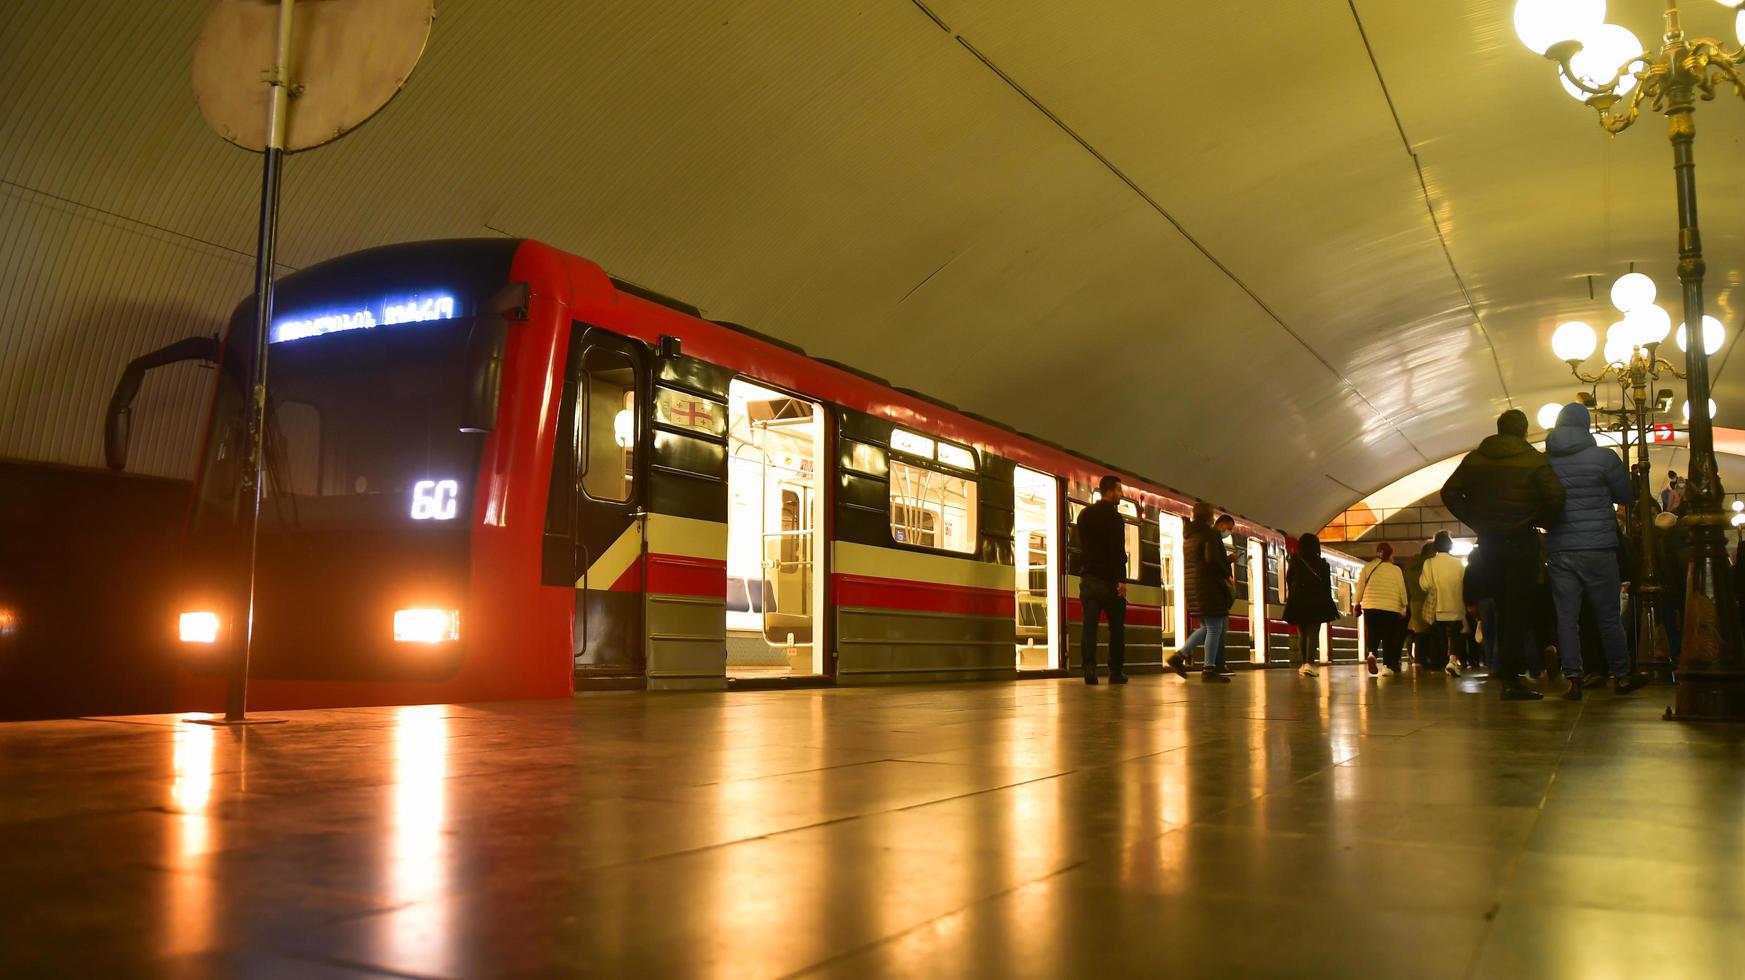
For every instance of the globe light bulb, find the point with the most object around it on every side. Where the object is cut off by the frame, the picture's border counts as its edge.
(1620, 341)
(1604, 49)
(1738, 505)
(1650, 324)
(1631, 290)
(1739, 26)
(1548, 415)
(1541, 23)
(1573, 341)
(1712, 410)
(1738, 519)
(1714, 334)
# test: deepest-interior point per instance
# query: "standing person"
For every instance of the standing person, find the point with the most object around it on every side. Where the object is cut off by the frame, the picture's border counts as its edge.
(1445, 605)
(1309, 599)
(1503, 490)
(1103, 549)
(1415, 621)
(1673, 542)
(1584, 547)
(1211, 587)
(1383, 601)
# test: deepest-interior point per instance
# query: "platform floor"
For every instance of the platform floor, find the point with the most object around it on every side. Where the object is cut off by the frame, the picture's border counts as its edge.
(1277, 826)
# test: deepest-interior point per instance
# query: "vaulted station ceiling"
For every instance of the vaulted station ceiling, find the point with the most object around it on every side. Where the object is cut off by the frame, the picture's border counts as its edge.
(1275, 253)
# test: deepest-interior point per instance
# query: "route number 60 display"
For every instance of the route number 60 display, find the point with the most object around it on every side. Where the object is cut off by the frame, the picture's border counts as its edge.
(435, 500)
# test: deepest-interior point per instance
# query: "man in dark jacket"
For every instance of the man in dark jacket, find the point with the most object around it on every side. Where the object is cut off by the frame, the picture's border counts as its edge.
(1502, 490)
(1584, 547)
(1102, 591)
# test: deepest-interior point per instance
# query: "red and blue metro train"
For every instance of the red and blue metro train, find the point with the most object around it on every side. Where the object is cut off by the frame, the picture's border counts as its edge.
(494, 472)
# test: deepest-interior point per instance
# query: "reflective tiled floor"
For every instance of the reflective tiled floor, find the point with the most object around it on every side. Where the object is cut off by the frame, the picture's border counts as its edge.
(1277, 826)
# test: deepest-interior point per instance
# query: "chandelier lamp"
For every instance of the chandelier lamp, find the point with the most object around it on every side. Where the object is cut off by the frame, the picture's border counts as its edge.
(1606, 67)
(1631, 358)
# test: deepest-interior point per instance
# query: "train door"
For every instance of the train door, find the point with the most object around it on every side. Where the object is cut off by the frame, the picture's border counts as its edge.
(1171, 531)
(1257, 599)
(1036, 561)
(775, 548)
(595, 524)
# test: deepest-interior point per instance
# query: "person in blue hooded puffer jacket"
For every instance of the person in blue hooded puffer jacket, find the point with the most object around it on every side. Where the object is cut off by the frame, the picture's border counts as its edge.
(1583, 545)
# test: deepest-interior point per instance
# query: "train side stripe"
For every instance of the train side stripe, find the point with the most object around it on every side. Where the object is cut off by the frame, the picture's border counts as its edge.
(865, 591)
(897, 564)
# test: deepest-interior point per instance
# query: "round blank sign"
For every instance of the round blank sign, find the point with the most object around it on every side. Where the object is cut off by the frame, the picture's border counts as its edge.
(348, 59)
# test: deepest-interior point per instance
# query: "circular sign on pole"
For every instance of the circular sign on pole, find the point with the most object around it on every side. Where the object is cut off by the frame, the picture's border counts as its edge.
(348, 59)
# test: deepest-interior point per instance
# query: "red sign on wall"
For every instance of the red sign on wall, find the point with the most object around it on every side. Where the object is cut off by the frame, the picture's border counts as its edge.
(1662, 432)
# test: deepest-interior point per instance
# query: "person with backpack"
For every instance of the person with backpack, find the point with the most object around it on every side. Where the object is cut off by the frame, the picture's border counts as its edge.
(1309, 599)
(1382, 600)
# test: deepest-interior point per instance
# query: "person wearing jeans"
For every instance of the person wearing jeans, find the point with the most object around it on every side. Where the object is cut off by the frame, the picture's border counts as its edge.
(1211, 588)
(1584, 548)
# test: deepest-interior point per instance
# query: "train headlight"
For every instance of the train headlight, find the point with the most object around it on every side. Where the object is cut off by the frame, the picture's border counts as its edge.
(200, 626)
(426, 625)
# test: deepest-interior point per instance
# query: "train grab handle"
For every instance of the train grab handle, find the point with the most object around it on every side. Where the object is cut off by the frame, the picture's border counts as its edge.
(115, 424)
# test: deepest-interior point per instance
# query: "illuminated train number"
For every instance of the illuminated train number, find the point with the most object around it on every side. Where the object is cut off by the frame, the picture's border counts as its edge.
(435, 500)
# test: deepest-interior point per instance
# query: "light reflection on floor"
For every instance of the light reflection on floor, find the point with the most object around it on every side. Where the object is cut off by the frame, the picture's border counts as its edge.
(1041, 828)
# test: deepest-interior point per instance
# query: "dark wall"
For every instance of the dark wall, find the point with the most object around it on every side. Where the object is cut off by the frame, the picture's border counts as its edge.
(86, 560)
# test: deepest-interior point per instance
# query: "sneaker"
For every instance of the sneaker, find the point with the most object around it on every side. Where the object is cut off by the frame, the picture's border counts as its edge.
(1452, 670)
(1091, 679)
(1389, 672)
(1369, 661)
(1179, 664)
(1592, 681)
(1574, 692)
(1521, 692)
(1225, 670)
(1629, 683)
(1212, 676)
(1307, 671)
(1117, 678)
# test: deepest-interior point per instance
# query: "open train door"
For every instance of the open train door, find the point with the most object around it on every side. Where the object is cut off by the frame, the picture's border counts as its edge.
(596, 522)
(1257, 598)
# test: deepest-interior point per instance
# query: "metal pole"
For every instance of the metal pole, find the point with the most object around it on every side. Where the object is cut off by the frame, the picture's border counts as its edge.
(1650, 654)
(1712, 663)
(236, 698)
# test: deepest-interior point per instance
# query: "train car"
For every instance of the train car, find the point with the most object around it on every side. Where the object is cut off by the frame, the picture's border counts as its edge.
(1344, 640)
(493, 472)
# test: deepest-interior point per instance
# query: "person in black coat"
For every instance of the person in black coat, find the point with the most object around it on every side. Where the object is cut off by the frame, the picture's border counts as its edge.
(1211, 588)
(1503, 490)
(1309, 599)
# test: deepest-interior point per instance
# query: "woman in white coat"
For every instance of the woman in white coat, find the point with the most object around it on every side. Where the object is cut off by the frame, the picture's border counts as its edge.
(1381, 597)
(1445, 604)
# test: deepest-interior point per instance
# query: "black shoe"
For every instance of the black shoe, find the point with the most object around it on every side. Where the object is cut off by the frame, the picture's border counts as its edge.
(1225, 670)
(1179, 664)
(1591, 681)
(1212, 676)
(1629, 683)
(1091, 679)
(1117, 678)
(1574, 692)
(1521, 692)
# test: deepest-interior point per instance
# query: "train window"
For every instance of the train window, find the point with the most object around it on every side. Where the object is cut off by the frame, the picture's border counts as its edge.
(607, 416)
(932, 509)
(904, 441)
(956, 456)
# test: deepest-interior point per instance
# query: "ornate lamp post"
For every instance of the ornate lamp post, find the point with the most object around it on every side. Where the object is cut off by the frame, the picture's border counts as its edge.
(1633, 361)
(1606, 67)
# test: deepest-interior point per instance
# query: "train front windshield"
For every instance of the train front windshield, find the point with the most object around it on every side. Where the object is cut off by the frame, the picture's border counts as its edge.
(363, 430)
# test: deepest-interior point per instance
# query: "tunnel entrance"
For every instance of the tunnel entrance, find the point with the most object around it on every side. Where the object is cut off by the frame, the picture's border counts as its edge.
(775, 590)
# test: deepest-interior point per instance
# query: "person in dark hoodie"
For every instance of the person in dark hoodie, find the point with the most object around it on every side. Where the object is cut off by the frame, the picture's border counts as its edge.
(1309, 599)
(1584, 547)
(1503, 490)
